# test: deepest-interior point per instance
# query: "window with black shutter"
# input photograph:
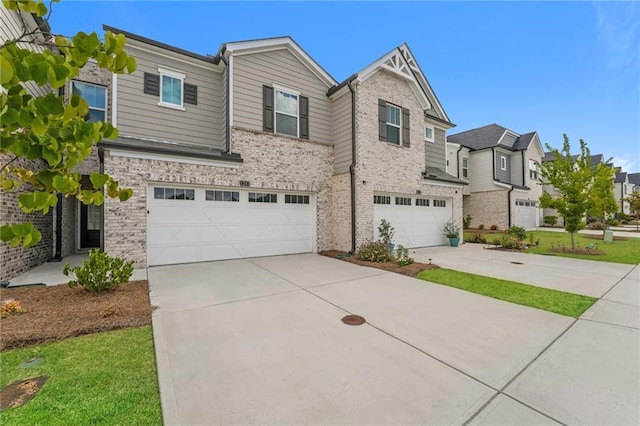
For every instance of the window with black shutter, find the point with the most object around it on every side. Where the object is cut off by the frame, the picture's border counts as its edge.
(393, 124)
(285, 112)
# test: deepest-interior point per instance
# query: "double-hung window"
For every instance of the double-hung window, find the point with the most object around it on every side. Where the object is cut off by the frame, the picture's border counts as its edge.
(533, 170)
(393, 124)
(465, 168)
(503, 162)
(428, 134)
(95, 96)
(287, 113)
(171, 87)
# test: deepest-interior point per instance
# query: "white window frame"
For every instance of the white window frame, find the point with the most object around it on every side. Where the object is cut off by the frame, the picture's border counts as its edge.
(164, 72)
(533, 170)
(399, 125)
(106, 100)
(503, 162)
(433, 134)
(295, 93)
(465, 168)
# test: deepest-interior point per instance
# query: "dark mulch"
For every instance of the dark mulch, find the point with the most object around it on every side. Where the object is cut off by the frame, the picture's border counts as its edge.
(599, 237)
(577, 250)
(59, 312)
(409, 270)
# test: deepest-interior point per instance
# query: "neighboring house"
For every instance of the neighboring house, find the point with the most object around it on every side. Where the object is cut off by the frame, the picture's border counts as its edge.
(16, 260)
(501, 167)
(258, 151)
(634, 179)
(622, 188)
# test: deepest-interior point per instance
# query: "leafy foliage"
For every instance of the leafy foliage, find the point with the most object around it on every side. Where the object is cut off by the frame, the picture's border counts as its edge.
(35, 127)
(11, 307)
(451, 230)
(511, 242)
(550, 220)
(376, 251)
(100, 272)
(517, 232)
(466, 221)
(603, 201)
(634, 202)
(402, 256)
(386, 232)
(476, 237)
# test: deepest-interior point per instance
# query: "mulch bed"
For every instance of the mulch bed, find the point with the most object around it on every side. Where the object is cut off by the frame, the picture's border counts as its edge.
(577, 250)
(59, 312)
(599, 237)
(409, 270)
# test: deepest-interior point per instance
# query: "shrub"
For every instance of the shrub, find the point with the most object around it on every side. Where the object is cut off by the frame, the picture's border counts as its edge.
(402, 256)
(376, 251)
(511, 242)
(496, 242)
(466, 221)
(100, 272)
(550, 220)
(451, 230)
(493, 227)
(386, 232)
(11, 307)
(623, 217)
(518, 232)
(481, 226)
(476, 238)
(613, 222)
(596, 225)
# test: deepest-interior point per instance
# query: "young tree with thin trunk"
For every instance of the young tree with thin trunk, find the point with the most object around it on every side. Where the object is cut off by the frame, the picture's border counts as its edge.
(603, 200)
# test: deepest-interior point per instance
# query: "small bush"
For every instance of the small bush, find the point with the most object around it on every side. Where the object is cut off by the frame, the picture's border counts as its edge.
(466, 221)
(511, 242)
(550, 220)
(596, 225)
(494, 227)
(100, 272)
(476, 238)
(518, 232)
(496, 242)
(402, 256)
(11, 307)
(623, 217)
(374, 252)
(613, 222)
(481, 226)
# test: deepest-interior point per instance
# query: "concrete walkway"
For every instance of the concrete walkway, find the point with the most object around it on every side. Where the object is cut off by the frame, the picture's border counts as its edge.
(261, 341)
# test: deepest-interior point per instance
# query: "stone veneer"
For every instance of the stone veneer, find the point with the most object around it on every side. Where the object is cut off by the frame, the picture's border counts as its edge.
(15, 260)
(488, 208)
(270, 162)
(386, 167)
(341, 212)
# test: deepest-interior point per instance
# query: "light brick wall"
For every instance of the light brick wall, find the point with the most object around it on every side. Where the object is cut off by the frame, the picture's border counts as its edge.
(386, 167)
(488, 208)
(270, 161)
(341, 212)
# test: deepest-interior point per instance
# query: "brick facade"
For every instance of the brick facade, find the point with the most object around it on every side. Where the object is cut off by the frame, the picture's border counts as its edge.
(341, 212)
(488, 208)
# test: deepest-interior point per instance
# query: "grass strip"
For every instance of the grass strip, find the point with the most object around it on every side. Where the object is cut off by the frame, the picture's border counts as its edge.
(104, 378)
(559, 302)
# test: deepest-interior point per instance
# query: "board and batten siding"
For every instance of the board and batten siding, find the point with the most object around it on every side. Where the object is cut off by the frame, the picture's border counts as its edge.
(282, 68)
(481, 171)
(139, 114)
(342, 133)
(503, 175)
(516, 169)
(436, 152)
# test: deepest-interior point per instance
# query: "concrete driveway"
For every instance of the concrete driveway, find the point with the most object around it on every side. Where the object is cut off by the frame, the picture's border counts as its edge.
(261, 341)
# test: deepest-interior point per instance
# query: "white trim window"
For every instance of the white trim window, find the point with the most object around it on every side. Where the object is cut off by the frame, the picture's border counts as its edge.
(95, 96)
(503, 162)
(465, 168)
(429, 134)
(394, 114)
(287, 111)
(171, 88)
(533, 170)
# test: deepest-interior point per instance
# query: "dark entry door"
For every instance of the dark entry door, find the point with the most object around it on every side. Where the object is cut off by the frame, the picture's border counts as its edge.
(90, 223)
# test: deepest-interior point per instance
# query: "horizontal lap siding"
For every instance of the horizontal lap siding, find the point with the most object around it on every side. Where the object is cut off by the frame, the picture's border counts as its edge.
(435, 151)
(342, 133)
(280, 67)
(140, 115)
(481, 171)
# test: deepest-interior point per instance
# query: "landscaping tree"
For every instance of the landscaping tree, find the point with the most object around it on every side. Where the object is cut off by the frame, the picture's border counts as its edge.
(572, 177)
(603, 200)
(634, 205)
(45, 127)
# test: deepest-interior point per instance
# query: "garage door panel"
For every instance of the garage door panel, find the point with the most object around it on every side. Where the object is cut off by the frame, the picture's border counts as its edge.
(174, 234)
(163, 255)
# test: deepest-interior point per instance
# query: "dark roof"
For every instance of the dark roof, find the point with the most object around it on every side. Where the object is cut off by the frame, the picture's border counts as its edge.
(548, 156)
(634, 178)
(595, 159)
(434, 173)
(621, 177)
(523, 141)
(488, 137)
(156, 147)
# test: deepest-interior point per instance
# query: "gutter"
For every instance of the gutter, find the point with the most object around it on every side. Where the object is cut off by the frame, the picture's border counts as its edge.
(523, 174)
(352, 167)
(101, 158)
(227, 138)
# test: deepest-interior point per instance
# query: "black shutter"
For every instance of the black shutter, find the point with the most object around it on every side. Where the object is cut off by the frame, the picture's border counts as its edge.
(190, 94)
(267, 109)
(382, 120)
(406, 128)
(151, 84)
(304, 117)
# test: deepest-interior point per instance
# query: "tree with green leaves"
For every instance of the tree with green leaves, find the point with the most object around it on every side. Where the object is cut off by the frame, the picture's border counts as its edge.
(46, 127)
(634, 204)
(572, 177)
(603, 200)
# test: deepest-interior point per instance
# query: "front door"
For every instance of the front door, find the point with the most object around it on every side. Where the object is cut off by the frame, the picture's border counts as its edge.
(90, 224)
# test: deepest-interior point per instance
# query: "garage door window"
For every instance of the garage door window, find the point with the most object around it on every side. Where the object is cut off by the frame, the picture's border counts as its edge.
(422, 202)
(222, 196)
(381, 199)
(296, 199)
(403, 201)
(173, 194)
(260, 197)
(439, 203)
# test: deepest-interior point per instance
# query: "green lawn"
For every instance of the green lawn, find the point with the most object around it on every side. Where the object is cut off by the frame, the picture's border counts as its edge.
(618, 251)
(560, 302)
(105, 378)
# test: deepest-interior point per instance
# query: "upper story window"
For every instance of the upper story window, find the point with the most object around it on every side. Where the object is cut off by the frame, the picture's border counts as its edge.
(503, 162)
(428, 134)
(465, 168)
(285, 111)
(533, 170)
(95, 96)
(393, 124)
(171, 83)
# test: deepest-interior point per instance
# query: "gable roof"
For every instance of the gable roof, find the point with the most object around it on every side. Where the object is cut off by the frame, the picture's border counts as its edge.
(595, 159)
(278, 43)
(620, 177)
(491, 136)
(634, 178)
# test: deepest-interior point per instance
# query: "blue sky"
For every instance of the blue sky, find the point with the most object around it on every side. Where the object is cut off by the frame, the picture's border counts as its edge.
(552, 67)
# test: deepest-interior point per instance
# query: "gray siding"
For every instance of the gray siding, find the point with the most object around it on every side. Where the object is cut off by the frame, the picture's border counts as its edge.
(223, 103)
(140, 115)
(516, 168)
(481, 171)
(502, 175)
(435, 152)
(282, 68)
(342, 133)
(508, 140)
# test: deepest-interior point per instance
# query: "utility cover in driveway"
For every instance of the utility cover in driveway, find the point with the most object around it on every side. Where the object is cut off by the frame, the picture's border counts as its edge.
(187, 224)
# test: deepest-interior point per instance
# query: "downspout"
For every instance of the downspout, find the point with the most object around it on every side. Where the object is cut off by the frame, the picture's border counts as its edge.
(458, 162)
(227, 138)
(101, 158)
(352, 168)
(509, 206)
(523, 173)
(493, 152)
(58, 253)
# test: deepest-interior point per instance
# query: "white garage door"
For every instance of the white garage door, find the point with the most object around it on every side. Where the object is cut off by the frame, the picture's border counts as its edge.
(417, 220)
(527, 214)
(187, 224)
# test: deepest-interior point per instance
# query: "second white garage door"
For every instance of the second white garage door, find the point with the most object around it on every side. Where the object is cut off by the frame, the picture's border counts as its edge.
(527, 214)
(417, 220)
(187, 224)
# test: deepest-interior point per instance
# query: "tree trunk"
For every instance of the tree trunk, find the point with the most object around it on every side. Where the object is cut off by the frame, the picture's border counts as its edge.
(573, 240)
